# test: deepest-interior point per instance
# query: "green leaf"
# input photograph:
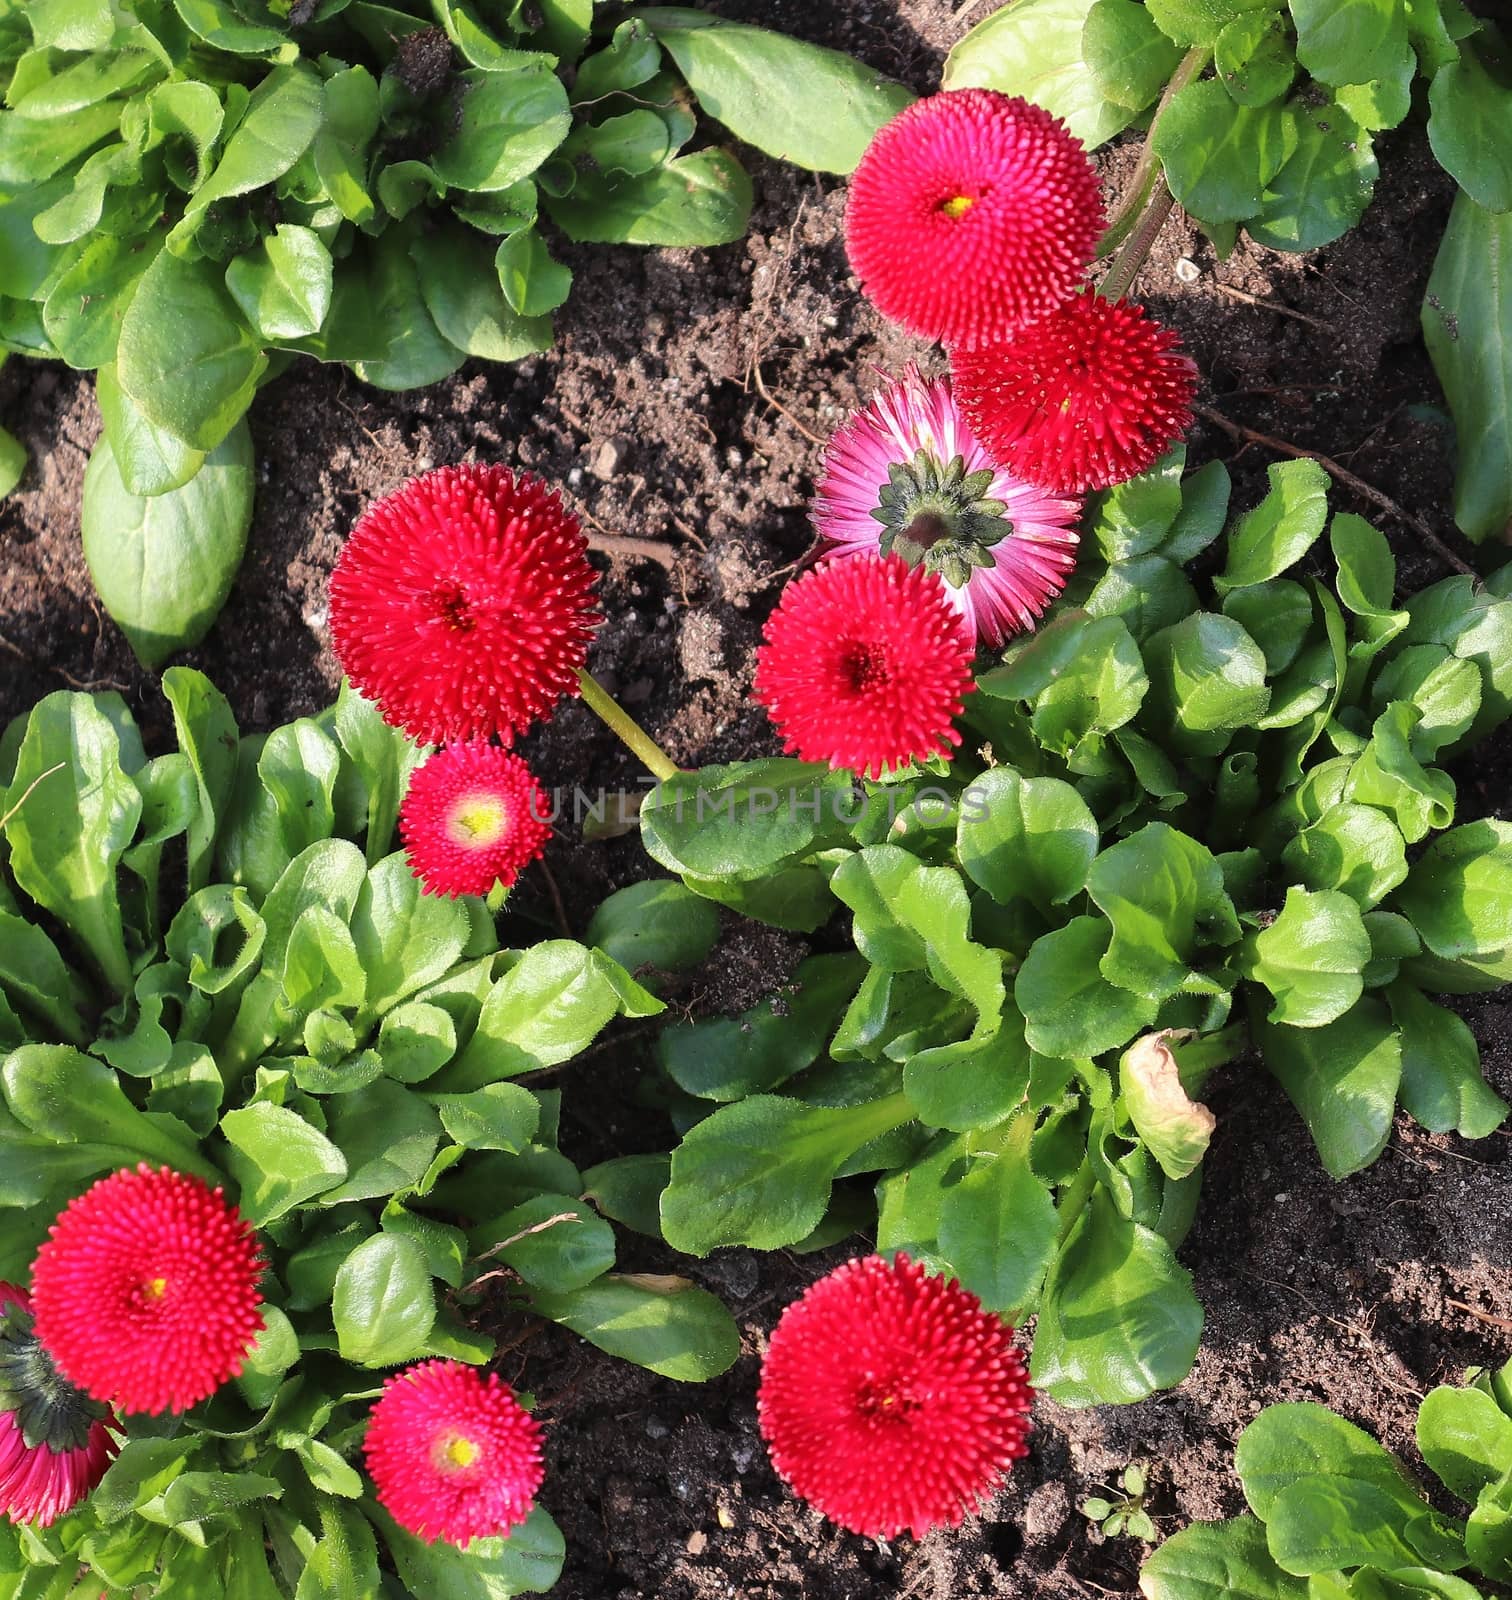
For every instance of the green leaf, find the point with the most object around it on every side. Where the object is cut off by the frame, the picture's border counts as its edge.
(460, 283)
(1033, 48)
(665, 1324)
(1118, 1319)
(1190, 22)
(553, 1242)
(657, 923)
(1389, 775)
(1069, 1008)
(631, 57)
(499, 1116)
(1212, 1560)
(1175, 1129)
(67, 836)
(343, 1562)
(1323, 190)
(278, 126)
(1163, 894)
(150, 460)
(694, 201)
(743, 820)
(1288, 1443)
(1445, 689)
(508, 124)
(284, 286)
(71, 1099)
(349, 121)
(186, 358)
(86, 302)
(1467, 321)
(533, 283)
(1026, 838)
(383, 1304)
(1466, 1438)
(1343, 1080)
(1467, 129)
(544, 1010)
(1207, 680)
(405, 938)
(1324, 1524)
(1459, 898)
(278, 1160)
(1220, 158)
(1352, 41)
(758, 1172)
(998, 1228)
(1254, 59)
(387, 1135)
(71, 24)
(1310, 958)
(529, 1560)
(727, 1058)
(1356, 849)
(1442, 1085)
(762, 85)
(1278, 616)
(1281, 529)
(1127, 53)
(164, 566)
(1083, 674)
(628, 1190)
(12, 462)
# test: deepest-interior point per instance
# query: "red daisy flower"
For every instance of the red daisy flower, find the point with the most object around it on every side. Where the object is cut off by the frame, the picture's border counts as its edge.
(463, 604)
(866, 663)
(146, 1291)
(971, 213)
(54, 1443)
(474, 816)
(1091, 395)
(891, 1400)
(453, 1454)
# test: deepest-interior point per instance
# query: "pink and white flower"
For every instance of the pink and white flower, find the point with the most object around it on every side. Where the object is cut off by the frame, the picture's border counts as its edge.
(906, 476)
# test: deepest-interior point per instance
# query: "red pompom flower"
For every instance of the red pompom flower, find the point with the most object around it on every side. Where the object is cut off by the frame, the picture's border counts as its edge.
(54, 1442)
(453, 1454)
(1091, 395)
(866, 664)
(146, 1291)
(474, 816)
(463, 604)
(970, 214)
(891, 1400)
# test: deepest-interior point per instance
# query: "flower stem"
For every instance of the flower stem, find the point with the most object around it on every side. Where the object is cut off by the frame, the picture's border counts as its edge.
(1148, 172)
(1125, 269)
(629, 732)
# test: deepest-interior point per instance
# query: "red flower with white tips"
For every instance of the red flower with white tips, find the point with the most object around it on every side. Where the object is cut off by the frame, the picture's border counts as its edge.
(452, 1453)
(866, 664)
(891, 1400)
(473, 816)
(970, 214)
(462, 605)
(146, 1291)
(1091, 395)
(55, 1443)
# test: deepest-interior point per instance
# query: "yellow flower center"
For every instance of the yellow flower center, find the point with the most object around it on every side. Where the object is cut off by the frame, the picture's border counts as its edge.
(477, 821)
(957, 206)
(155, 1288)
(459, 1453)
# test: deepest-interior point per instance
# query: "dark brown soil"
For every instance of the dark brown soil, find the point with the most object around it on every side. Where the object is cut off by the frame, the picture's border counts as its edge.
(651, 411)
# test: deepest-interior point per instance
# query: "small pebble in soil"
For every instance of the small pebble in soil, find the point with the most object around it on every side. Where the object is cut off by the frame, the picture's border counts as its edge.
(609, 459)
(1187, 270)
(737, 1272)
(656, 1428)
(743, 1453)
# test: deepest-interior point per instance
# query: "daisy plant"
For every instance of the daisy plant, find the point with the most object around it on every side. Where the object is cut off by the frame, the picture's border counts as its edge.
(1275, 118)
(195, 195)
(1197, 824)
(1332, 1513)
(273, 1126)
